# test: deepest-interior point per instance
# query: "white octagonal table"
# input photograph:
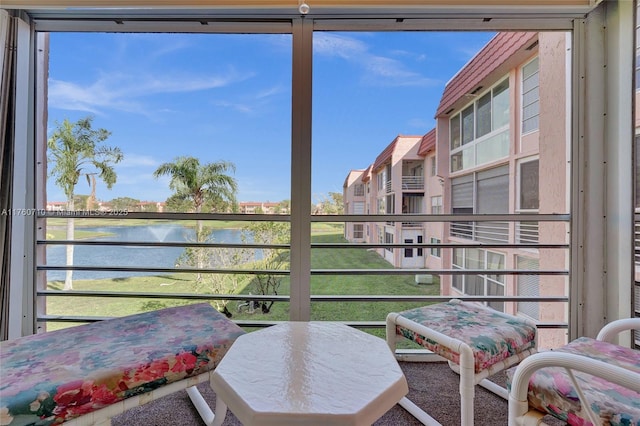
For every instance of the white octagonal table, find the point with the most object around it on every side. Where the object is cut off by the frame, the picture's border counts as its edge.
(311, 373)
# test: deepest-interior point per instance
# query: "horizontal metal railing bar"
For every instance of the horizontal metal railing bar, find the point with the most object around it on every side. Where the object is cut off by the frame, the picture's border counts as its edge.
(475, 244)
(313, 298)
(407, 217)
(122, 214)
(182, 296)
(249, 323)
(413, 217)
(63, 318)
(287, 246)
(159, 244)
(400, 298)
(163, 270)
(313, 271)
(437, 272)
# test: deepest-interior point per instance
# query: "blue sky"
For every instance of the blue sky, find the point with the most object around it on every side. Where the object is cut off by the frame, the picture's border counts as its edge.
(228, 97)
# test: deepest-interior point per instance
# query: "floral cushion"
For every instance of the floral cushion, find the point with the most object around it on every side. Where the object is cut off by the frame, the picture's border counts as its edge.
(52, 377)
(493, 336)
(551, 390)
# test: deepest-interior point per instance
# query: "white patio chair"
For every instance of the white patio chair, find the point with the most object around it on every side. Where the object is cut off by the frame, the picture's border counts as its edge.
(588, 381)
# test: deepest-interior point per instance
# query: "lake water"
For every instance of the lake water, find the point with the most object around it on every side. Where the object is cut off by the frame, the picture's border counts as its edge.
(146, 257)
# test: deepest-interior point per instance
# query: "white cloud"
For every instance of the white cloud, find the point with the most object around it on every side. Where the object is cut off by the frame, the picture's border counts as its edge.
(391, 72)
(378, 70)
(272, 91)
(137, 160)
(234, 105)
(338, 45)
(253, 102)
(123, 92)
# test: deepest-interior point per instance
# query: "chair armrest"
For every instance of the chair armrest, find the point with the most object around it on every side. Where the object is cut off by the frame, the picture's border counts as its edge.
(611, 330)
(518, 403)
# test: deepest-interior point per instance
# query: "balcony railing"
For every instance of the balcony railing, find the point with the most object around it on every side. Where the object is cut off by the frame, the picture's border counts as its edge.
(412, 225)
(527, 232)
(491, 229)
(412, 183)
(487, 232)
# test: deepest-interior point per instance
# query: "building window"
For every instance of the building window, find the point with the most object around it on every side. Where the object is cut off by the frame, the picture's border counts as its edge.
(530, 97)
(381, 180)
(436, 204)
(388, 239)
(485, 192)
(528, 200)
(408, 252)
(433, 166)
(479, 285)
(390, 204)
(480, 133)
(387, 176)
(435, 251)
(528, 286)
(358, 207)
(358, 230)
(529, 181)
(419, 242)
(358, 190)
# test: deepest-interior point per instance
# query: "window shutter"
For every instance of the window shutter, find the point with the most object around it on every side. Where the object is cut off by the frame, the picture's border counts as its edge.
(528, 285)
(493, 191)
(462, 192)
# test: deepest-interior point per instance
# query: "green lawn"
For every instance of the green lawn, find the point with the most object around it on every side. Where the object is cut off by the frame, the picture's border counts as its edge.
(320, 285)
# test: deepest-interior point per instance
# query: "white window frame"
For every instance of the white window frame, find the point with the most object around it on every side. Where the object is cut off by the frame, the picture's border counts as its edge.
(435, 251)
(519, 176)
(436, 202)
(473, 145)
(486, 278)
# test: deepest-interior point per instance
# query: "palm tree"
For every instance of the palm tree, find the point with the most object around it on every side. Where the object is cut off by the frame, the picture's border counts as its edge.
(74, 150)
(200, 185)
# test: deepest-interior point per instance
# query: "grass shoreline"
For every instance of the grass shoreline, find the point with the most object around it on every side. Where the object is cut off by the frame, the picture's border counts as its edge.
(320, 285)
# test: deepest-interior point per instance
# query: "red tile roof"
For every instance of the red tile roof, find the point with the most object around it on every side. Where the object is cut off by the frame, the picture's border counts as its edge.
(366, 176)
(491, 56)
(385, 155)
(427, 143)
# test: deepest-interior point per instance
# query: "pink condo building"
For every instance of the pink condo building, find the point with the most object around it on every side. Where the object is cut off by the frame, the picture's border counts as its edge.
(500, 146)
(401, 180)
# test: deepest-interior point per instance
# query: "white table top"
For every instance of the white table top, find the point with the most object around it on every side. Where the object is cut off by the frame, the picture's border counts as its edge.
(320, 373)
